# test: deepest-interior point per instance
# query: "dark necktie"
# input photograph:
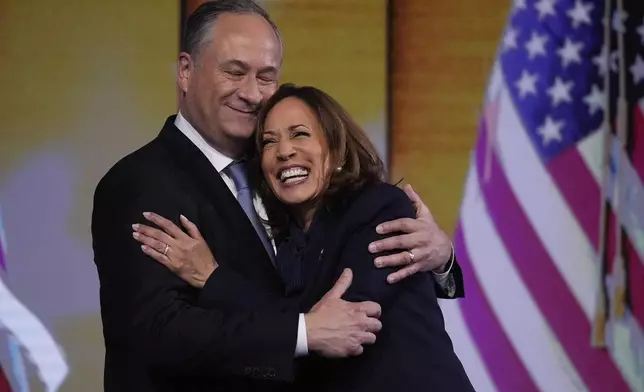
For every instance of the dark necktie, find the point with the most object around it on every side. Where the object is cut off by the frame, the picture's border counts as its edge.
(238, 173)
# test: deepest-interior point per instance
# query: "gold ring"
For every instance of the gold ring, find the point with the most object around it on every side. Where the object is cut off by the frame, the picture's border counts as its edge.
(165, 251)
(411, 256)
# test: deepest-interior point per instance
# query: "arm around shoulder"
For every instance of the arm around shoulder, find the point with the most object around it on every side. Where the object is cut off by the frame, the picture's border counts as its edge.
(379, 204)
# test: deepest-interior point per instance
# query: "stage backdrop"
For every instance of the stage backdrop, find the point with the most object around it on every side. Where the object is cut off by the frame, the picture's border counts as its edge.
(84, 83)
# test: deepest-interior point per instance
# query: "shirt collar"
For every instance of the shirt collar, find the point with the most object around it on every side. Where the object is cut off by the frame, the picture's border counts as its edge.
(218, 160)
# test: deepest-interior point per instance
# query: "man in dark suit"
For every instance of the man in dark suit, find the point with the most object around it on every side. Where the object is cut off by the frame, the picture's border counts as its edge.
(161, 334)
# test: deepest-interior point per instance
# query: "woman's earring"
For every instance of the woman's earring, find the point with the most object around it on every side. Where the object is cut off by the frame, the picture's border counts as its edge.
(338, 169)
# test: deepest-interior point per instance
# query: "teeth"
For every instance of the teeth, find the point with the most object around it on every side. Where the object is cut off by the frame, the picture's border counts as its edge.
(293, 172)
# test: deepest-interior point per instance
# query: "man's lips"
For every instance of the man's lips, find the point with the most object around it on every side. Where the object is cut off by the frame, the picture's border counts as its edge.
(243, 111)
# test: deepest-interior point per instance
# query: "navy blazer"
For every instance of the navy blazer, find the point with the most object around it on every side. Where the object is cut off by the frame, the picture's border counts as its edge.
(413, 352)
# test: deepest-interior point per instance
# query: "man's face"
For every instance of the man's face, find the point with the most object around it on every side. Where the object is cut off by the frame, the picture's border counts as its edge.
(233, 74)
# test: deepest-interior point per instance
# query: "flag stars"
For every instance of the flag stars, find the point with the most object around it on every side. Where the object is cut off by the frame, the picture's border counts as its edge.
(527, 84)
(537, 45)
(619, 21)
(570, 52)
(640, 31)
(637, 69)
(601, 61)
(550, 131)
(560, 92)
(510, 39)
(580, 14)
(545, 8)
(519, 5)
(595, 100)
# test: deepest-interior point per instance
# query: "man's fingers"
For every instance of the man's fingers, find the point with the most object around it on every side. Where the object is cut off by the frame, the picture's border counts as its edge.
(357, 350)
(191, 227)
(420, 207)
(341, 285)
(399, 242)
(373, 325)
(399, 259)
(167, 225)
(403, 273)
(402, 225)
(367, 338)
(371, 309)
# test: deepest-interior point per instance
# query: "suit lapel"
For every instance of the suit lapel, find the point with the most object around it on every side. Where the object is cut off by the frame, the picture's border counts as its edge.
(192, 161)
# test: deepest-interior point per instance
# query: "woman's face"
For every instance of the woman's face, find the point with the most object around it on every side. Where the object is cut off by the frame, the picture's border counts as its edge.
(295, 154)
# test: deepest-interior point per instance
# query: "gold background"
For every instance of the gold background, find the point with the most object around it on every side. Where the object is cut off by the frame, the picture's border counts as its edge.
(86, 81)
(442, 53)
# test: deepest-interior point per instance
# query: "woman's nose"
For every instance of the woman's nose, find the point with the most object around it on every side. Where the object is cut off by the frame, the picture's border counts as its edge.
(285, 150)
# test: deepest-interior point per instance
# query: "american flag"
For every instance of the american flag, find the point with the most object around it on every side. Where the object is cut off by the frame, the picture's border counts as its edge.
(551, 228)
(27, 339)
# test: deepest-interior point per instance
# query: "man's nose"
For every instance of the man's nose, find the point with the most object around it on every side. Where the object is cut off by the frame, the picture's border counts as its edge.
(250, 92)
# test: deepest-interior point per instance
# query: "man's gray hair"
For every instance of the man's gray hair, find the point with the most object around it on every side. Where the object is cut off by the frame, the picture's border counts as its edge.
(199, 23)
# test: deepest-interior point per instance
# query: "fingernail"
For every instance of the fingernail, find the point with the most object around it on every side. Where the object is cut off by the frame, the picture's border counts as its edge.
(378, 263)
(379, 229)
(183, 217)
(147, 214)
(135, 226)
(372, 247)
(144, 247)
(135, 235)
(391, 279)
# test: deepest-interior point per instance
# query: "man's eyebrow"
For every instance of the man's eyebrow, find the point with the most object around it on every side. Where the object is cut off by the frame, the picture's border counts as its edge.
(246, 66)
(237, 63)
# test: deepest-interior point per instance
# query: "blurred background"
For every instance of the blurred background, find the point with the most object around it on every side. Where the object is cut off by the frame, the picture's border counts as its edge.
(554, 294)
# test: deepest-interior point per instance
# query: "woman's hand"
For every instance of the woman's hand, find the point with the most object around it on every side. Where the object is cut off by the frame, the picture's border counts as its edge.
(187, 255)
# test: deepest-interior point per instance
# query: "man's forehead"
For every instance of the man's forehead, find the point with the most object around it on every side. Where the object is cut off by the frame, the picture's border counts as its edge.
(247, 38)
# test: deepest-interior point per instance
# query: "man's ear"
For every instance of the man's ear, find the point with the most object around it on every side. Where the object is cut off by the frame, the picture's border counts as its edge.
(185, 68)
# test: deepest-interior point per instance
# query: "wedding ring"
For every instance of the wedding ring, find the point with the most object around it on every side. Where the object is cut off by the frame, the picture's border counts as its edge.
(411, 256)
(165, 251)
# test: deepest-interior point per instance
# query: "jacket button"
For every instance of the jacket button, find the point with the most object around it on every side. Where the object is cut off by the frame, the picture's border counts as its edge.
(247, 371)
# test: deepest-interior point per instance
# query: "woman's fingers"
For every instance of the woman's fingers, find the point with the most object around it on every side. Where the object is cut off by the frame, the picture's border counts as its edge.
(150, 242)
(167, 225)
(191, 227)
(153, 233)
(158, 256)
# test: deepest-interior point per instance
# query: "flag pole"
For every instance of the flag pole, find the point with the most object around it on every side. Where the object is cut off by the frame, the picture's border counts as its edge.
(618, 297)
(598, 336)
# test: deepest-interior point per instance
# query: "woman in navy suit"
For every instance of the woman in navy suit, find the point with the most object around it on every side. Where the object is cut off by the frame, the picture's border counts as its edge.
(323, 186)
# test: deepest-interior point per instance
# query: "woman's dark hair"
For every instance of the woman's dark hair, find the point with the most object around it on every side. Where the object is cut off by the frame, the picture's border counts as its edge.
(349, 149)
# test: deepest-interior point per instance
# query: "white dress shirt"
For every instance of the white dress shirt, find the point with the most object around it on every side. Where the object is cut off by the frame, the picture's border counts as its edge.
(220, 161)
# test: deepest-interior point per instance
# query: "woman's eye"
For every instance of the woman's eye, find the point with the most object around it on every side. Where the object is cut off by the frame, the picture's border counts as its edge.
(300, 134)
(266, 142)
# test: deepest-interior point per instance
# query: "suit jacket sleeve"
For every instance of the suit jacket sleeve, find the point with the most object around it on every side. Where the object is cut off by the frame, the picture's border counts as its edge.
(228, 290)
(149, 309)
(374, 207)
(452, 287)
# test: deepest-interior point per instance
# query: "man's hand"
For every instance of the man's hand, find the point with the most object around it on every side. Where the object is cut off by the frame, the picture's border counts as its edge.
(337, 328)
(425, 246)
